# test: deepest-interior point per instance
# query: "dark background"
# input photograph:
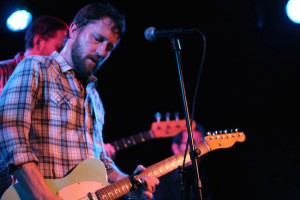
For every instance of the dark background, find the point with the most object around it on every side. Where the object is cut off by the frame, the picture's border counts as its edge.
(249, 81)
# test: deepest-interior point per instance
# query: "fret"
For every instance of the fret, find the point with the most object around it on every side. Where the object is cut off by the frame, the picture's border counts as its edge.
(132, 140)
(119, 187)
(151, 171)
(110, 195)
(115, 144)
(100, 194)
(142, 139)
(124, 188)
(166, 167)
(114, 190)
(160, 171)
(171, 165)
(155, 170)
(124, 142)
(108, 192)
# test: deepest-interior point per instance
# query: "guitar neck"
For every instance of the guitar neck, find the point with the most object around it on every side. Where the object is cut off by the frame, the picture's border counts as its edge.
(122, 187)
(132, 140)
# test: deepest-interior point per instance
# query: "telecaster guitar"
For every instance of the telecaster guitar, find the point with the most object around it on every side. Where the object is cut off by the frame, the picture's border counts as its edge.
(88, 180)
(160, 129)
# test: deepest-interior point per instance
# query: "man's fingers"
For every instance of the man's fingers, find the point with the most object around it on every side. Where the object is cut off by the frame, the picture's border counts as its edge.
(149, 183)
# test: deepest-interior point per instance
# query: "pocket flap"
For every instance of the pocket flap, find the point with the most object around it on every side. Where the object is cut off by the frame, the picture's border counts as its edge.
(60, 98)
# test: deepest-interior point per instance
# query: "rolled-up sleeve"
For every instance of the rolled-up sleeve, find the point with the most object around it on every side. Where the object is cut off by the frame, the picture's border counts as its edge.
(16, 104)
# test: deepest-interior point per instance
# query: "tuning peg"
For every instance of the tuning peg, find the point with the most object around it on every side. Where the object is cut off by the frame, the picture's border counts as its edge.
(225, 131)
(157, 116)
(236, 130)
(167, 116)
(208, 133)
(176, 114)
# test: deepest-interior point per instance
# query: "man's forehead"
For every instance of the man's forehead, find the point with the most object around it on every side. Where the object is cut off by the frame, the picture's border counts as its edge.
(109, 23)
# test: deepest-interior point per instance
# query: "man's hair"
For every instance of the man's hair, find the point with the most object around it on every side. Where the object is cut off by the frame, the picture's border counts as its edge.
(45, 26)
(178, 138)
(96, 11)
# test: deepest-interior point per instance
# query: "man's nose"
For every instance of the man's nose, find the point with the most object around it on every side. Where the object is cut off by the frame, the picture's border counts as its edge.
(101, 49)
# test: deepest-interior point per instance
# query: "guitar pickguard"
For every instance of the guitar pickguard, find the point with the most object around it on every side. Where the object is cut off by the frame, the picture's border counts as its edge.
(79, 190)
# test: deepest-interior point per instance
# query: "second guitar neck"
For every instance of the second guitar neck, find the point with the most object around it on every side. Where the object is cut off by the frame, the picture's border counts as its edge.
(132, 140)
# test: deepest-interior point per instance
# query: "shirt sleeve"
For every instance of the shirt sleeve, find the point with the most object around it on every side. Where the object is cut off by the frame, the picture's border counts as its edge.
(16, 104)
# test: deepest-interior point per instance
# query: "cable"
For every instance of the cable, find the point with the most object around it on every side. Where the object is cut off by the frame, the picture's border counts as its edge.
(195, 95)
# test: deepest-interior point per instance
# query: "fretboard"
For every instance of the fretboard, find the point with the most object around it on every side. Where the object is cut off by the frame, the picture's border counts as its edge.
(122, 187)
(132, 140)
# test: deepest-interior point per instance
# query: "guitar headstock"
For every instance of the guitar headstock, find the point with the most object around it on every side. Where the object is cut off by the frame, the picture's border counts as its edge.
(222, 140)
(169, 128)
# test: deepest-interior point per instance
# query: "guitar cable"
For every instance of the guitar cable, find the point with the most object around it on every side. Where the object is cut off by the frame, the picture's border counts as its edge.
(193, 108)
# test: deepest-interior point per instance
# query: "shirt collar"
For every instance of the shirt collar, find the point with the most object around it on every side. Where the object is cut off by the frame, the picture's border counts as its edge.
(63, 64)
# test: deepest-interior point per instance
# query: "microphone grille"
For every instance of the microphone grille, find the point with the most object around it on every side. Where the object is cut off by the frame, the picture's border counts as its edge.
(149, 34)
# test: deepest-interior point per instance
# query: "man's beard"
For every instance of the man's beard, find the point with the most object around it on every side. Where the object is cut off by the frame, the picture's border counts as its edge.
(77, 60)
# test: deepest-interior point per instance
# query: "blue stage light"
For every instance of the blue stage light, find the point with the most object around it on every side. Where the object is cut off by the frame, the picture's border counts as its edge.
(19, 20)
(293, 10)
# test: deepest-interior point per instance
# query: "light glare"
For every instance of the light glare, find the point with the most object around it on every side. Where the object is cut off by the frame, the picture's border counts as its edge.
(293, 10)
(19, 20)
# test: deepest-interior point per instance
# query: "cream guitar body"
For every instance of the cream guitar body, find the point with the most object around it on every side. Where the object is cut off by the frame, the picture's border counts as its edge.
(87, 177)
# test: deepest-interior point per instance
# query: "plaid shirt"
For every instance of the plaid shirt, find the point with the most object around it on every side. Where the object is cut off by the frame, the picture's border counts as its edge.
(46, 118)
(7, 67)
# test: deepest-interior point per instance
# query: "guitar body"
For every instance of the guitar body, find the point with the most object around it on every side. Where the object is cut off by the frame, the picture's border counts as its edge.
(88, 176)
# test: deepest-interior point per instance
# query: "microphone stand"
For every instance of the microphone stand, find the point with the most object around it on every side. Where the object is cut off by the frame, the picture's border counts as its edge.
(193, 154)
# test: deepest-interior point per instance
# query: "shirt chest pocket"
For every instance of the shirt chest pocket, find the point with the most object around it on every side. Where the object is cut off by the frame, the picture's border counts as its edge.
(60, 98)
(64, 109)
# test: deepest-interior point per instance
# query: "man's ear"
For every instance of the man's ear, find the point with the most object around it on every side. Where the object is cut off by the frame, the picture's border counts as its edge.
(175, 148)
(73, 30)
(37, 42)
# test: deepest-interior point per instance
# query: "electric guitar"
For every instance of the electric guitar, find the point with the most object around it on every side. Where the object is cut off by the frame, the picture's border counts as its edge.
(160, 129)
(88, 180)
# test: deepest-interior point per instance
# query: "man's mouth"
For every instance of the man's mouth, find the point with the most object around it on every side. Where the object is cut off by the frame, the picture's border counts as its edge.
(94, 60)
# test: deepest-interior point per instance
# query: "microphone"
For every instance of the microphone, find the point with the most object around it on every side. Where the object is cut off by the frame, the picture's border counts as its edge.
(152, 34)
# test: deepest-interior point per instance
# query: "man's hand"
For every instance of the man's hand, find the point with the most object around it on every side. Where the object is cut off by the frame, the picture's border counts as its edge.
(148, 185)
(110, 150)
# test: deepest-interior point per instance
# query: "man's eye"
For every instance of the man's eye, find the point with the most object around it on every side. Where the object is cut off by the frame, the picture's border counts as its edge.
(110, 47)
(99, 39)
